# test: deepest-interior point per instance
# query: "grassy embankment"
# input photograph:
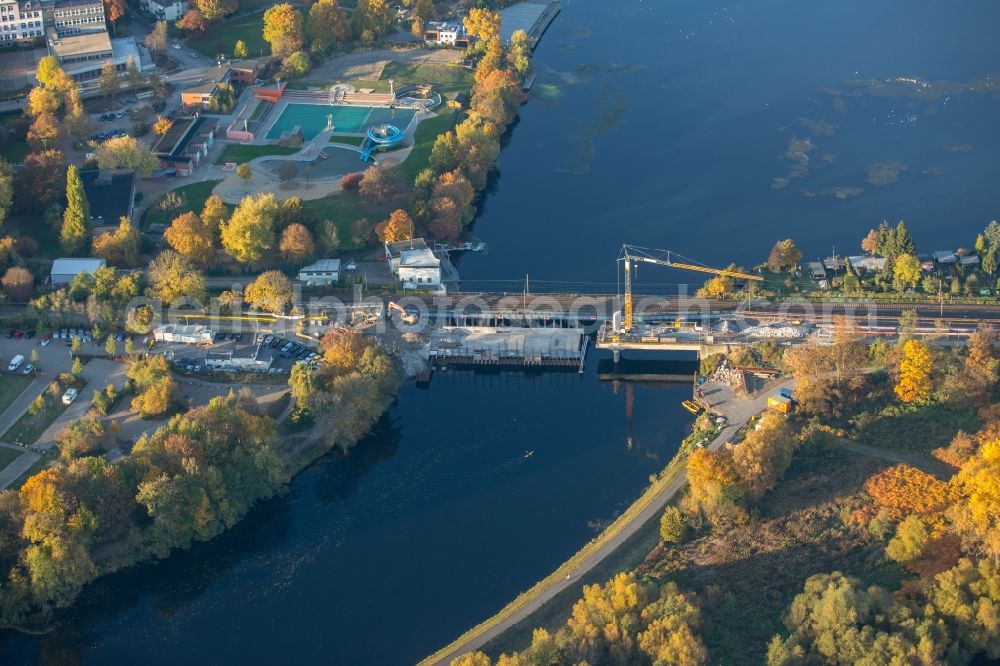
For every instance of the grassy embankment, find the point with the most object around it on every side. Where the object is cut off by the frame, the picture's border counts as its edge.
(7, 456)
(622, 558)
(248, 28)
(29, 428)
(11, 386)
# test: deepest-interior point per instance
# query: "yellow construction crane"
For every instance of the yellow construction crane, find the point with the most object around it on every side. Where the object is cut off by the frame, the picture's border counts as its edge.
(632, 254)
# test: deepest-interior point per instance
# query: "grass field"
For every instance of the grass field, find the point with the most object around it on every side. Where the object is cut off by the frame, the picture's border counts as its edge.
(11, 386)
(29, 428)
(423, 142)
(225, 35)
(195, 195)
(7, 456)
(444, 78)
(240, 154)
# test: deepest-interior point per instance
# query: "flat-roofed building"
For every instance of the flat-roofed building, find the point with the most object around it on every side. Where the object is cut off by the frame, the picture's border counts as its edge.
(74, 17)
(111, 195)
(82, 56)
(324, 271)
(185, 144)
(65, 269)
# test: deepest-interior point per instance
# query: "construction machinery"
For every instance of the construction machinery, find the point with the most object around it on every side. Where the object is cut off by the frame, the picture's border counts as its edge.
(404, 316)
(632, 255)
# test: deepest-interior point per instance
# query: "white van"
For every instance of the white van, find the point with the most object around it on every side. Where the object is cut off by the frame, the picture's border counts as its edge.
(15, 363)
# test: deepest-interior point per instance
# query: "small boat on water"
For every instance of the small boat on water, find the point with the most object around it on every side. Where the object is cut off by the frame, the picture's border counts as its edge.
(691, 406)
(528, 454)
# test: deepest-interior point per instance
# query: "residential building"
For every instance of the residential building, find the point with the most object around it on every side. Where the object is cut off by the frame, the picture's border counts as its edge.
(944, 257)
(251, 359)
(83, 55)
(21, 20)
(75, 17)
(192, 334)
(185, 144)
(446, 34)
(393, 251)
(111, 195)
(324, 271)
(167, 10)
(64, 270)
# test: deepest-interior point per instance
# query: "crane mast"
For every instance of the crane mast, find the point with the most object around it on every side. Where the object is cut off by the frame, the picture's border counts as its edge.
(632, 254)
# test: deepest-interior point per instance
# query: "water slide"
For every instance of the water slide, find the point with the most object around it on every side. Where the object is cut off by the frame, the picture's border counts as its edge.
(380, 136)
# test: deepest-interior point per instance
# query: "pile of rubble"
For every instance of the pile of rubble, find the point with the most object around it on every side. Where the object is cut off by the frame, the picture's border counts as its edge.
(776, 331)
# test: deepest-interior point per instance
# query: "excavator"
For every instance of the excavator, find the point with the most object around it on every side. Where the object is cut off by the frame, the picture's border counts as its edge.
(631, 255)
(404, 316)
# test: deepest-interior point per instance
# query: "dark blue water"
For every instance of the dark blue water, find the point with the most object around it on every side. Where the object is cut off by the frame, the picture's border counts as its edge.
(431, 525)
(667, 121)
(661, 123)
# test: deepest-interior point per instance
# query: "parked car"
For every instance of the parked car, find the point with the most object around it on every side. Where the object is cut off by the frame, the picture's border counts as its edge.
(45, 341)
(351, 266)
(176, 46)
(18, 335)
(69, 396)
(30, 335)
(28, 369)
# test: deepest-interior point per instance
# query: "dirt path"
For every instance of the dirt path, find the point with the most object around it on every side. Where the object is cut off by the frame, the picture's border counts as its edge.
(724, 403)
(921, 462)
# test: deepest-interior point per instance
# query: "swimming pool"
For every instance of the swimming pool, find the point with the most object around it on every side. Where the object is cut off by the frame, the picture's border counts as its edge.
(338, 162)
(311, 119)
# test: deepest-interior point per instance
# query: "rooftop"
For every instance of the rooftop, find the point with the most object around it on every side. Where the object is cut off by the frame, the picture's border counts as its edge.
(109, 195)
(418, 258)
(322, 265)
(174, 143)
(445, 26)
(74, 46)
(67, 266)
(395, 249)
(521, 16)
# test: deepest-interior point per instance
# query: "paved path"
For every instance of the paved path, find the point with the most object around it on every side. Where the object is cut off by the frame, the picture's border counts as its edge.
(724, 403)
(13, 471)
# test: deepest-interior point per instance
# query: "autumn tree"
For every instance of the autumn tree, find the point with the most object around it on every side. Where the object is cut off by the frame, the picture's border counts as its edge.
(213, 214)
(715, 489)
(784, 256)
(119, 247)
(370, 19)
(497, 98)
(398, 227)
(172, 276)
(379, 183)
(108, 83)
(162, 125)
(482, 24)
(240, 49)
(909, 541)
(673, 525)
(18, 284)
(283, 29)
(156, 40)
(41, 180)
(45, 131)
(327, 27)
(718, 287)
(154, 386)
(915, 369)
(74, 235)
(249, 233)
(491, 62)
(6, 189)
(906, 272)
(343, 349)
(270, 292)
(192, 238)
(981, 367)
(296, 244)
(193, 22)
(213, 10)
(828, 380)
(519, 53)
(125, 152)
(244, 172)
(762, 458)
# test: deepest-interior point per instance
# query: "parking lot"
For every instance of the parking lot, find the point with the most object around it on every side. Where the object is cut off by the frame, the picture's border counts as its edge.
(284, 352)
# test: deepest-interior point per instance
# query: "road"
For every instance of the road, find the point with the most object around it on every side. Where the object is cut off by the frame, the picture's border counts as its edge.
(738, 412)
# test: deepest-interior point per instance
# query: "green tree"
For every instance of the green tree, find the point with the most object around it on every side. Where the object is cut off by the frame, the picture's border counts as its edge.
(110, 346)
(125, 152)
(910, 540)
(673, 526)
(74, 235)
(76, 369)
(133, 74)
(906, 272)
(519, 53)
(107, 83)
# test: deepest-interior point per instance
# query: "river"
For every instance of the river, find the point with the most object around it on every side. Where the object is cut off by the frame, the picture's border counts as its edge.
(707, 128)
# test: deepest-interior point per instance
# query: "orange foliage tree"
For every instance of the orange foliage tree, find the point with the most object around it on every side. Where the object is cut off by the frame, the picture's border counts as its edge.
(902, 490)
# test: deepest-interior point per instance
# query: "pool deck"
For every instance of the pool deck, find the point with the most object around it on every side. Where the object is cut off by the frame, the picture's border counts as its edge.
(232, 189)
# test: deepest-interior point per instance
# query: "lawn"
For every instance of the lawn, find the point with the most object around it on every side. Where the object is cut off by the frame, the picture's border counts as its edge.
(29, 428)
(248, 28)
(423, 142)
(344, 208)
(195, 195)
(240, 153)
(7, 456)
(346, 138)
(11, 386)
(444, 78)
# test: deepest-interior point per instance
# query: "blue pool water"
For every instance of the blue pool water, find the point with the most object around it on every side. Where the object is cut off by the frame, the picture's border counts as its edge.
(312, 118)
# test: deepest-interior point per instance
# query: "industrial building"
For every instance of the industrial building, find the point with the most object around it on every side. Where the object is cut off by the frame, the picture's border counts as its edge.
(65, 269)
(251, 359)
(324, 271)
(192, 334)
